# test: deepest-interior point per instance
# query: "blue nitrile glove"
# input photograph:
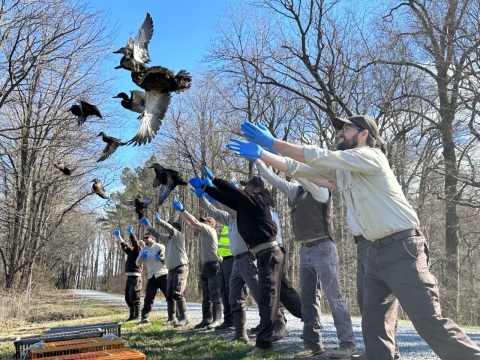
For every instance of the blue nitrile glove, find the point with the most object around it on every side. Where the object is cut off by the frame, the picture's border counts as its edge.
(198, 192)
(144, 254)
(157, 256)
(234, 183)
(116, 232)
(209, 198)
(196, 182)
(259, 134)
(208, 172)
(245, 148)
(208, 182)
(130, 229)
(157, 216)
(144, 221)
(177, 205)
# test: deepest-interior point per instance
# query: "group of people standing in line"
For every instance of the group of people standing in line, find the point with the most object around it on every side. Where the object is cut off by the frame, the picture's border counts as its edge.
(247, 257)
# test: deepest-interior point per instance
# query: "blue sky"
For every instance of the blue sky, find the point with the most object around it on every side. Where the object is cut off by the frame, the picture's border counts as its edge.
(182, 31)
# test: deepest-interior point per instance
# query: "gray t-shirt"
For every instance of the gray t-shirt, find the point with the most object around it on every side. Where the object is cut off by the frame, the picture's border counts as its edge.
(208, 244)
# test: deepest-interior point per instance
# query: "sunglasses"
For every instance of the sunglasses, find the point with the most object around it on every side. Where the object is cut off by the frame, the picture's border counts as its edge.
(346, 126)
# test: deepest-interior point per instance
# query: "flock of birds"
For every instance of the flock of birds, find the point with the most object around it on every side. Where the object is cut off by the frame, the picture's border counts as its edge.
(158, 83)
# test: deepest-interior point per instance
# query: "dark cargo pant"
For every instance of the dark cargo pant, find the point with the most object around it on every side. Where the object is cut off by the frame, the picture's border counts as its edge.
(153, 284)
(226, 267)
(176, 283)
(211, 283)
(270, 264)
(401, 270)
(132, 290)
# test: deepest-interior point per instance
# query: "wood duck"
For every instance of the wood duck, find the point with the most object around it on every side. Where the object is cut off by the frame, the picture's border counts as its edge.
(135, 53)
(136, 101)
(111, 147)
(158, 83)
(168, 179)
(98, 189)
(82, 110)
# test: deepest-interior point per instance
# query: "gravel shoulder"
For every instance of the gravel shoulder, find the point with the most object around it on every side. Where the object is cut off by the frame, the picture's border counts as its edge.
(412, 346)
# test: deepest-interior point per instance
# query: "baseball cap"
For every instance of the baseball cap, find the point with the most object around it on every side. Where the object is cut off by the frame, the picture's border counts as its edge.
(176, 225)
(256, 181)
(361, 121)
(208, 219)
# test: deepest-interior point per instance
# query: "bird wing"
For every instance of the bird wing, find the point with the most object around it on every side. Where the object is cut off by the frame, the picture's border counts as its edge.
(89, 109)
(131, 202)
(140, 44)
(109, 149)
(156, 105)
(165, 190)
(138, 97)
(147, 202)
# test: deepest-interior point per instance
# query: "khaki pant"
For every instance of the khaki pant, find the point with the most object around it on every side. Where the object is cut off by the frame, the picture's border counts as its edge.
(400, 270)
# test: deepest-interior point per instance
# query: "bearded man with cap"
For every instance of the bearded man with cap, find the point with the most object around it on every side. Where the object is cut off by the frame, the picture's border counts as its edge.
(204, 229)
(176, 262)
(258, 230)
(397, 264)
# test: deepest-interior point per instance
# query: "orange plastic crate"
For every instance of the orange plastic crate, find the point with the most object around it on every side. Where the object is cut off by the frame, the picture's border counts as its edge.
(118, 354)
(76, 346)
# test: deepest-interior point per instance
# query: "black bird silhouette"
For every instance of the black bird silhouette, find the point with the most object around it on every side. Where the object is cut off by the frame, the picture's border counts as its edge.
(82, 110)
(63, 168)
(168, 178)
(98, 189)
(111, 147)
(140, 205)
(135, 53)
(135, 103)
(158, 83)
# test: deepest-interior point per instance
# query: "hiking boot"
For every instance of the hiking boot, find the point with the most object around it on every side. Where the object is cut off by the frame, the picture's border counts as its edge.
(136, 312)
(240, 319)
(280, 330)
(182, 312)
(144, 321)
(225, 327)
(308, 352)
(257, 351)
(256, 329)
(359, 357)
(341, 352)
(171, 311)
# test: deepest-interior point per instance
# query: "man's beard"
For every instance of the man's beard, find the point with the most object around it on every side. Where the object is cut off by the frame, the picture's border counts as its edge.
(348, 144)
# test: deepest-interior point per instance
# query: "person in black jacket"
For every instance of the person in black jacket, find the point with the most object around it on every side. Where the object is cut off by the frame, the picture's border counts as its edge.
(133, 272)
(258, 230)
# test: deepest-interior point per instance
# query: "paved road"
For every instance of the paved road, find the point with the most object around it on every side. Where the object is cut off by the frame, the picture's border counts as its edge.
(412, 347)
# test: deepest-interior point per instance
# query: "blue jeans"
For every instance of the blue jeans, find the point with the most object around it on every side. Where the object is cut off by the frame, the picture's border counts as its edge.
(318, 266)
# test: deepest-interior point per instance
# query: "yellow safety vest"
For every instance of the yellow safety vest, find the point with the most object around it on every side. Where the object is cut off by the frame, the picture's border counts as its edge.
(224, 243)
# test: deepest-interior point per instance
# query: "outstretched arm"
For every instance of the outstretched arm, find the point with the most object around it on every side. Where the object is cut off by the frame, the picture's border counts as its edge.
(190, 220)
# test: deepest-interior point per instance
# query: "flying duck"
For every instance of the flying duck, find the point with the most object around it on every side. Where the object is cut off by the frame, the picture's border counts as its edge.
(168, 178)
(98, 189)
(63, 168)
(158, 83)
(111, 147)
(140, 205)
(135, 103)
(135, 53)
(82, 110)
